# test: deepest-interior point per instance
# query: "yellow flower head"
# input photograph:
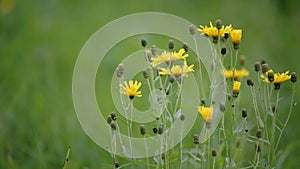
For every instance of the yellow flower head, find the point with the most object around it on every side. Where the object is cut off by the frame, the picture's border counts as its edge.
(213, 31)
(131, 90)
(236, 86)
(236, 36)
(207, 113)
(167, 57)
(178, 70)
(236, 74)
(278, 77)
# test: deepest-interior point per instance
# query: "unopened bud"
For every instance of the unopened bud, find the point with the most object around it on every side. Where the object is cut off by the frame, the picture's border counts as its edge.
(223, 51)
(294, 77)
(182, 117)
(113, 116)
(258, 133)
(120, 70)
(144, 42)
(113, 125)
(154, 50)
(196, 139)
(250, 82)
(257, 67)
(185, 47)
(214, 153)
(264, 68)
(171, 44)
(244, 113)
(145, 74)
(270, 76)
(160, 129)
(219, 24)
(109, 119)
(142, 129)
(222, 107)
(192, 29)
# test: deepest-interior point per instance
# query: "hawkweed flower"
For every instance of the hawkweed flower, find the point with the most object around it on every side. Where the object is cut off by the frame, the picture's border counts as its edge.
(236, 74)
(214, 32)
(277, 78)
(131, 89)
(206, 113)
(236, 88)
(178, 70)
(236, 36)
(168, 57)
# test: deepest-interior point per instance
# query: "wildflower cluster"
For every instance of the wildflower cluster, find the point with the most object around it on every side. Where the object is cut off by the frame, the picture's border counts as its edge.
(248, 118)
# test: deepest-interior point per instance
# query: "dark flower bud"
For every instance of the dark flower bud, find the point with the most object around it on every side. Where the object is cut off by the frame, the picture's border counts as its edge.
(258, 133)
(223, 51)
(113, 116)
(142, 129)
(144, 42)
(264, 68)
(182, 117)
(109, 119)
(250, 82)
(219, 24)
(196, 139)
(117, 165)
(155, 130)
(257, 67)
(192, 29)
(271, 76)
(145, 74)
(263, 62)
(171, 79)
(113, 125)
(294, 77)
(120, 70)
(154, 50)
(222, 107)
(185, 47)
(244, 113)
(277, 86)
(202, 102)
(214, 153)
(171, 44)
(160, 129)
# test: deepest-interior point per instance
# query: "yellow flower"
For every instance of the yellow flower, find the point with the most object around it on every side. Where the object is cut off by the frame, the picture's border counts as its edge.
(236, 73)
(236, 36)
(167, 57)
(207, 113)
(213, 31)
(209, 31)
(131, 90)
(178, 70)
(236, 88)
(278, 77)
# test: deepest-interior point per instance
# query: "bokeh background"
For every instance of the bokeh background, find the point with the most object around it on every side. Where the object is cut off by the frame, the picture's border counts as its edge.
(40, 41)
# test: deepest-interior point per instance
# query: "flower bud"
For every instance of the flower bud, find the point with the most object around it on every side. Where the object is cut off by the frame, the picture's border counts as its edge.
(223, 51)
(214, 153)
(257, 67)
(142, 129)
(264, 68)
(196, 139)
(258, 133)
(144, 42)
(145, 74)
(294, 77)
(120, 70)
(244, 113)
(192, 29)
(250, 82)
(271, 77)
(185, 47)
(219, 24)
(171, 44)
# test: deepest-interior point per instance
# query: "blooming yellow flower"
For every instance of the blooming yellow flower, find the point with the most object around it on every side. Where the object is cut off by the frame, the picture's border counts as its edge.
(236, 36)
(236, 73)
(207, 113)
(167, 57)
(131, 90)
(278, 77)
(178, 70)
(236, 86)
(213, 31)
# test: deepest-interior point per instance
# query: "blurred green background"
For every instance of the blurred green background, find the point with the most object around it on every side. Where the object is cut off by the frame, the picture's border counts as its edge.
(40, 41)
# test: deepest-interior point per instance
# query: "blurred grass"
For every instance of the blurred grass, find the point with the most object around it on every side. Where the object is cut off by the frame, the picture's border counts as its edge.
(39, 44)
